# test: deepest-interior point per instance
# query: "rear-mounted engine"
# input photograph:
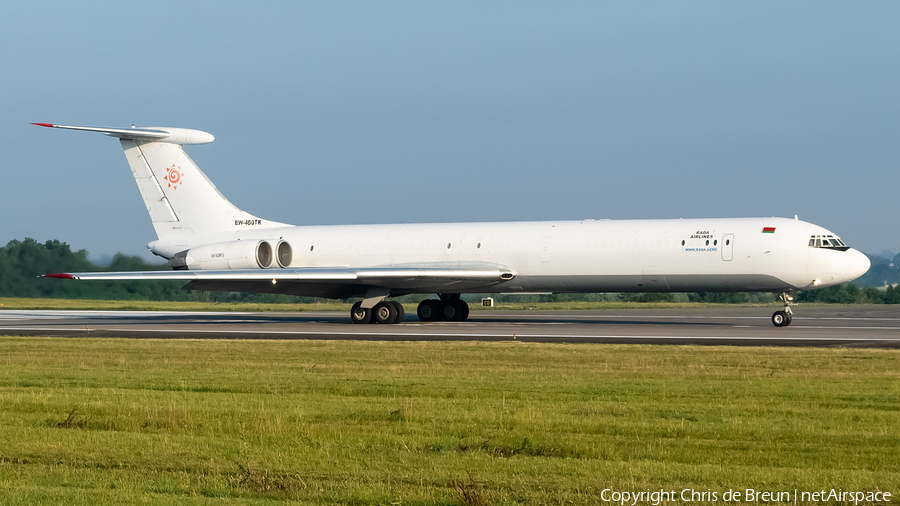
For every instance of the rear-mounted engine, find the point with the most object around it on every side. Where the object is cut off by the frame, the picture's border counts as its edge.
(233, 255)
(284, 254)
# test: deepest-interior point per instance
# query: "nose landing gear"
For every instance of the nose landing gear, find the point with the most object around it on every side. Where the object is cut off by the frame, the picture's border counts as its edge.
(783, 318)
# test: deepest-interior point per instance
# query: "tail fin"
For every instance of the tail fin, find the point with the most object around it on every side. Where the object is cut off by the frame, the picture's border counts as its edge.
(181, 200)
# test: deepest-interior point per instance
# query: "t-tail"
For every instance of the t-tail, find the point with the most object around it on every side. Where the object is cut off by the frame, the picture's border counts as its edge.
(181, 200)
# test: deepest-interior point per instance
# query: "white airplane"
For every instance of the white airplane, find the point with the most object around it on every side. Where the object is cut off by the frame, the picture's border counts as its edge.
(216, 246)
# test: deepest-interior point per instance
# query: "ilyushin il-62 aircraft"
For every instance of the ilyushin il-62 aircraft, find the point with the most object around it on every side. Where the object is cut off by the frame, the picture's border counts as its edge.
(215, 246)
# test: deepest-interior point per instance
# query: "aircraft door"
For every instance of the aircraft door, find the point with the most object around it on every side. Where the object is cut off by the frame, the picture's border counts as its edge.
(545, 249)
(728, 247)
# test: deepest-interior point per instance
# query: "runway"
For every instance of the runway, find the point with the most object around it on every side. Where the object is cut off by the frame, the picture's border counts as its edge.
(848, 326)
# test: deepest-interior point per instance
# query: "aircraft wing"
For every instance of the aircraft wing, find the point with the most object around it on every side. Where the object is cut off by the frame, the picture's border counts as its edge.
(319, 280)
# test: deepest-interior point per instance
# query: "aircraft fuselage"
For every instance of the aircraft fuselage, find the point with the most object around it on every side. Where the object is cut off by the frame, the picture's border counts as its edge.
(568, 256)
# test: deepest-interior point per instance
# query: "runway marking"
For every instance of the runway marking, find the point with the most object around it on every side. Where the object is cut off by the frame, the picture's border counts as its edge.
(849, 328)
(460, 334)
(485, 335)
(682, 317)
(417, 325)
(10, 317)
(139, 313)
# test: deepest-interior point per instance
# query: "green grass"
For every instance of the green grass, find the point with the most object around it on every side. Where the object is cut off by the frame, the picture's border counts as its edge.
(102, 421)
(143, 305)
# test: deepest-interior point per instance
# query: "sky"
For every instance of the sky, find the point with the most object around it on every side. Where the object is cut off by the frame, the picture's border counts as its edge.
(389, 112)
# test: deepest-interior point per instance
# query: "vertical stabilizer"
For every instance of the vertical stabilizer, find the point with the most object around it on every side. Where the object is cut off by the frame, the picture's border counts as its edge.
(181, 200)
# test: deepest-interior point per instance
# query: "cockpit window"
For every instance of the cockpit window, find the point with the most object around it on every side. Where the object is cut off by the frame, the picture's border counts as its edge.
(827, 242)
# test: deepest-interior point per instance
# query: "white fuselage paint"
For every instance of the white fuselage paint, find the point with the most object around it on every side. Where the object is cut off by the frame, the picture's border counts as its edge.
(580, 256)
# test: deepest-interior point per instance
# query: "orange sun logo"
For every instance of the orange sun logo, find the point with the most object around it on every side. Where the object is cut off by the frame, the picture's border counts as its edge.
(173, 176)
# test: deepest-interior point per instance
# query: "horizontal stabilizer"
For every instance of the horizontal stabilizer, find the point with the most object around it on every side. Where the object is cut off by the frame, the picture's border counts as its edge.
(158, 134)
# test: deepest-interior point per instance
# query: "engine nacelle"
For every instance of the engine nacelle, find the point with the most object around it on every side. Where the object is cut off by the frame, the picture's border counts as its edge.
(226, 256)
(284, 255)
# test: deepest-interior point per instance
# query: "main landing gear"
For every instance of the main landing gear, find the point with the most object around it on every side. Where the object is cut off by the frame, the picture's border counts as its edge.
(783, 318)
(449, 308)
(377, 310)
(386, 311)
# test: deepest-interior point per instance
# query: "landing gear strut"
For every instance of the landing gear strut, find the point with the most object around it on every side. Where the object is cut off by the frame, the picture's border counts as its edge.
(783, 318)
(449, 308)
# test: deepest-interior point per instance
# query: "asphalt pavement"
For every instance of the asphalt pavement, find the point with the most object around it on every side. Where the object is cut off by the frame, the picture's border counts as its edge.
(832, 325)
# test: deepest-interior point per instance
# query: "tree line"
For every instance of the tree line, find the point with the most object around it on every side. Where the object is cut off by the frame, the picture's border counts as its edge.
(23, 262)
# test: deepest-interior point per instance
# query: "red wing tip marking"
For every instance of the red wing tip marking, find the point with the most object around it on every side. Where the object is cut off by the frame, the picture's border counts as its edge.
(50, 125)
(59, 276)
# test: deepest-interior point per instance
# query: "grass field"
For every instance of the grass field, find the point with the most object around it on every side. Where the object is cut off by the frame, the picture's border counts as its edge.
(103, 421)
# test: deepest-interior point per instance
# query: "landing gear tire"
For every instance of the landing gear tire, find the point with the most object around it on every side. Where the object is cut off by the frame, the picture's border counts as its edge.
(449, 312)
(360, 315)
(781, 319)
(455, 311)
(401, 313)
(429, 310)
(384, 312)
(465, 311)
(432, 310)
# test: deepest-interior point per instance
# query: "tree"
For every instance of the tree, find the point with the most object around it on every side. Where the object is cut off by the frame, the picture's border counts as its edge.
(23, 262)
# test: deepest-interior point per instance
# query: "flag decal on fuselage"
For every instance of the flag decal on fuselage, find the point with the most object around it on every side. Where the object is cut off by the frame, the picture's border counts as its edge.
(768, 230)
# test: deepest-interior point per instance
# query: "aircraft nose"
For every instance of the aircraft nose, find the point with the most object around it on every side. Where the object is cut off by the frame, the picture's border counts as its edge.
(855, 264)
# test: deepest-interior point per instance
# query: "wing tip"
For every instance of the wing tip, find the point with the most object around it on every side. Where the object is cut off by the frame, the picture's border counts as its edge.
(62, 275)
(48, 125)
